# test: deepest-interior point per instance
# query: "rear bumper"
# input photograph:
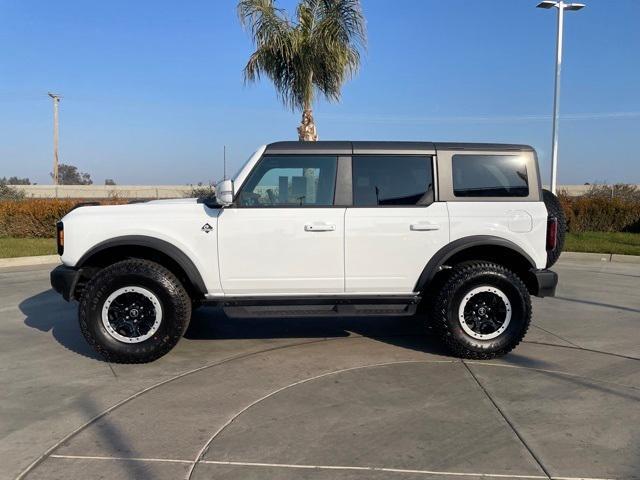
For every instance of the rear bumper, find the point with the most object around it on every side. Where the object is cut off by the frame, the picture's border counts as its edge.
(64, 280)
(546, 282)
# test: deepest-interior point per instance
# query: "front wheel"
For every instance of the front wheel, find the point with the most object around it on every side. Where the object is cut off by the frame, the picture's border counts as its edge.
(134, 311)
(482, 310)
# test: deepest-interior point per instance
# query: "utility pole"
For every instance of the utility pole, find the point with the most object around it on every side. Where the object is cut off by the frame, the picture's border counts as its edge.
(561, 6)
(56, 101)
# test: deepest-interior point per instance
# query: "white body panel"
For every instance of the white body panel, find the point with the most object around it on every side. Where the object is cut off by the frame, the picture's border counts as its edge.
(281, 250)
(308, 250)
(178, 222)
(387, 248)
(523, 223)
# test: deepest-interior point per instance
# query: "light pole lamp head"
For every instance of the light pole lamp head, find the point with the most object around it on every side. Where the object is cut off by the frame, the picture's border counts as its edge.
(560, 4)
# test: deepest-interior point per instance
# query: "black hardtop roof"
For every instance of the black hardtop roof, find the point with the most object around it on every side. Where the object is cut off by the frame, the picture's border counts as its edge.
(364, 147)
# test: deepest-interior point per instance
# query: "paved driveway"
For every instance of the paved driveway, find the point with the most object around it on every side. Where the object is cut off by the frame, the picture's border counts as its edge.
(337, 398)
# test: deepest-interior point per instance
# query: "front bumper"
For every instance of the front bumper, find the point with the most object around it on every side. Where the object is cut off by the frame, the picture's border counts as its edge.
(546, 282)
(64, 280)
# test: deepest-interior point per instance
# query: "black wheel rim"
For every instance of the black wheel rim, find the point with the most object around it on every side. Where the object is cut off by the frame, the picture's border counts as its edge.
(485, 312)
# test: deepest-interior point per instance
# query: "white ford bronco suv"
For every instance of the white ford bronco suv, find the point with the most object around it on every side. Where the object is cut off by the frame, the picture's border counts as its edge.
(458, 235)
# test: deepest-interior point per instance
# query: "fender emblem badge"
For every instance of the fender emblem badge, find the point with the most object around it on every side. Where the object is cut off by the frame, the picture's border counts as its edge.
(206, 228)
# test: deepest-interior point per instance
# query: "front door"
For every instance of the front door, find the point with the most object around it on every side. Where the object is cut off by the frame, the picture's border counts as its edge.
(394, 226)
(283, 235)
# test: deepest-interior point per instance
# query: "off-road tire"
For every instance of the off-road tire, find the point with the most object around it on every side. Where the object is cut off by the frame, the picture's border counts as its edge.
(445, 302)
(173, 298)
(554, 209)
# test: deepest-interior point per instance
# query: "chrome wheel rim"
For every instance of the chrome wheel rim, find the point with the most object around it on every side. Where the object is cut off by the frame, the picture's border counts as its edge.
(485, 312)
(132, 314)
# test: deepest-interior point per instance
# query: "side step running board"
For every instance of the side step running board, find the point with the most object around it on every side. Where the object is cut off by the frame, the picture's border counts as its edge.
(396, 305)
(320, 310)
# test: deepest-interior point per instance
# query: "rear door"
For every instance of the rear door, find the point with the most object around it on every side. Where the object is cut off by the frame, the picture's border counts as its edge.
(395, 225)
(283, 234)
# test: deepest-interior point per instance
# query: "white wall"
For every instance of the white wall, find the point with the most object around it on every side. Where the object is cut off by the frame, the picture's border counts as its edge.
(105, 191)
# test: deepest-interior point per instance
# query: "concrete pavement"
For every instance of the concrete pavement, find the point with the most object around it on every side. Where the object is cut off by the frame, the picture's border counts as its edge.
(326, 398)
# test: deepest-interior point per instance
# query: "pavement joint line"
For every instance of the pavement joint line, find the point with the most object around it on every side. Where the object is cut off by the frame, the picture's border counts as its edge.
(556, 335)
(601, 352)
(506, 419)
(79, 429)
(111, 368)
(320, 467)
(205, 447)
(557, 372)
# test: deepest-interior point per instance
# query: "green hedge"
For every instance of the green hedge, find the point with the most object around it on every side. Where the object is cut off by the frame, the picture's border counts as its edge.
(599, 213)
(34, 218)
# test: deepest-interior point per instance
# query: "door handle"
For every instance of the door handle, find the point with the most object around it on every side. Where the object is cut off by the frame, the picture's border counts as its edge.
(424, 227)
(319, 227)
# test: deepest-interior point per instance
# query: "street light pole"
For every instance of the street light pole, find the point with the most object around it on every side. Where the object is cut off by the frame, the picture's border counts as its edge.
(556, 100)
(561, 6)
(56, 102)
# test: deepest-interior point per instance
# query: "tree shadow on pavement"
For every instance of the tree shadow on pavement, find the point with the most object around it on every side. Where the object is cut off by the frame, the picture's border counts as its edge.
(47, 312)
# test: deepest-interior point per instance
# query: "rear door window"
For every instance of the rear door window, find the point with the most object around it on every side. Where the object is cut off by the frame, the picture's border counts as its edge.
(490, 176)
(392, 180)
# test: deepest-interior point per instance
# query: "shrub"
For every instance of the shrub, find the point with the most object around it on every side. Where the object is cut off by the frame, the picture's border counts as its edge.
(201, 191)
(32, 218)
(35, 217)
(630, 193)
(597, 212)
(9, 193)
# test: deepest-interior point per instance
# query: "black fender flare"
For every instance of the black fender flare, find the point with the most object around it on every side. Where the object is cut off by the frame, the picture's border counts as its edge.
(161, 246)
(445, 253)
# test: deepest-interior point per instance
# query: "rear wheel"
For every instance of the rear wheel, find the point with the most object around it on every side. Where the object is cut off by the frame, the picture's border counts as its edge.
(482, 310)
(134, 311)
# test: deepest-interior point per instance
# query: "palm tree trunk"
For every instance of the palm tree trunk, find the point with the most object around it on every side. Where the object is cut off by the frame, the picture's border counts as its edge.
(307, 133)
(307, 129)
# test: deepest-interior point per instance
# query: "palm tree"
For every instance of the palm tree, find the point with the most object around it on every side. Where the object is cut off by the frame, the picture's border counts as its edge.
(315, 53)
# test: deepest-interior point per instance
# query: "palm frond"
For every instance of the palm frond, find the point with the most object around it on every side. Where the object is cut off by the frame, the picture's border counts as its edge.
(340, 35)
(318, 52)
(267, 24)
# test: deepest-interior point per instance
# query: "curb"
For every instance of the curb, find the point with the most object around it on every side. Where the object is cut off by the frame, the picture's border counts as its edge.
(601, 257)
(27, 261)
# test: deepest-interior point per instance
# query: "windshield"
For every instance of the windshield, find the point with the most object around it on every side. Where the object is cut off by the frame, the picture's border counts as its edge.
(244, 164)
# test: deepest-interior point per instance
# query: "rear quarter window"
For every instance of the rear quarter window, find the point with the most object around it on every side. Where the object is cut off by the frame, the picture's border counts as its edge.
(489, 176)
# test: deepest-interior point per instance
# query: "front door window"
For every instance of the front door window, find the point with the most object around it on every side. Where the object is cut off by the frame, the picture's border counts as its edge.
(290, 181)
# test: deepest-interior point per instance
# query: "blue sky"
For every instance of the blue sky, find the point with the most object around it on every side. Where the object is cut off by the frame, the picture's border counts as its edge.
(153, 89)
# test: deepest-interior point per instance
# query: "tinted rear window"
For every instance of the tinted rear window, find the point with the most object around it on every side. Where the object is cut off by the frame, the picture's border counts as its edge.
(382, 180)
(489, 176)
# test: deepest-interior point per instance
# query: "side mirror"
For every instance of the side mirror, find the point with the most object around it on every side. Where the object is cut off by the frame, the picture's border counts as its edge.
(224, 192)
